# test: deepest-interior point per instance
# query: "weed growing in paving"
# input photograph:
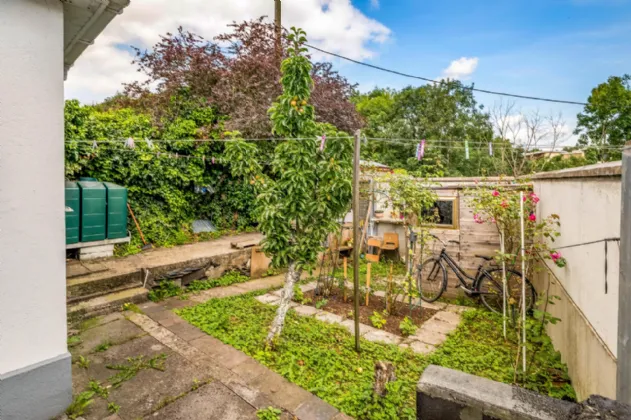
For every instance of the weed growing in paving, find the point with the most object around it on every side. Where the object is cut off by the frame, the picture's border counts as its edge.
(133, 366)
(74, 341)
(407, 327)
(128, 306)
(269, 413)
(105, 344)
(83, 362)
(98, 389)
(80, 403)
(164, 290)
(113, 408)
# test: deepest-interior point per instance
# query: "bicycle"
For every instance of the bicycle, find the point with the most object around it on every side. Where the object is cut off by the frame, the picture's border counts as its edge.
(486, 284)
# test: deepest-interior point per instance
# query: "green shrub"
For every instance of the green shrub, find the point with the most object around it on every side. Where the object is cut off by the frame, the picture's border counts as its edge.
(378, 320)
(407, 327)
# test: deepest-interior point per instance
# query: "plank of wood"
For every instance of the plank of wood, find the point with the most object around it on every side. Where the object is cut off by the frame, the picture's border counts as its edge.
(245, 244)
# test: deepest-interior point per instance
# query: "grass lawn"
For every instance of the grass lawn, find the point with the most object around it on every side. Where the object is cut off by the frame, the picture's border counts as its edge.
(320, 357)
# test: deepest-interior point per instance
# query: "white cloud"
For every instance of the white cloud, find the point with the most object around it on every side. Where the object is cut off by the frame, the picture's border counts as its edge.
(374, 4)
(461, 68)
(334, 25)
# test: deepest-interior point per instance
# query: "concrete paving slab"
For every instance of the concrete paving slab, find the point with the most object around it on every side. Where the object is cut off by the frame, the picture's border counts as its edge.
(210, 402)
(439, 326)
(308, 287)
(429, 337)
(457, 308)
(419, 347)
(316, 409)
(306, 310)
(437, 306)
(280, 391)
(383, 337)
(349, 324)
(329, 317)
(249, 370)
(166, 318)
(186, 331)
(268, 299)
(117, 331)
(446, 316)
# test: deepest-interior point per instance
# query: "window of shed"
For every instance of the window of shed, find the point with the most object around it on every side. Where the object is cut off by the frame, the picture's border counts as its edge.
(444, 213)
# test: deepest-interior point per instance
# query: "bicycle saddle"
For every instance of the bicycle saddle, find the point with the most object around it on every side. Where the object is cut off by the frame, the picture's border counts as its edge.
(484, 257)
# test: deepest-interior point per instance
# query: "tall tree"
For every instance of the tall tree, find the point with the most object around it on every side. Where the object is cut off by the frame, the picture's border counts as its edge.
(236, 74)
(308, 188)
(606, 119)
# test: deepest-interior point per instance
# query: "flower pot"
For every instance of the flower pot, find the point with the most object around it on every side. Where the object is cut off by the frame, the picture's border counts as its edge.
(379, 214)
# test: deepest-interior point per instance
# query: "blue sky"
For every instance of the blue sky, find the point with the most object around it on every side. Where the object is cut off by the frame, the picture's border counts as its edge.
(550, 48)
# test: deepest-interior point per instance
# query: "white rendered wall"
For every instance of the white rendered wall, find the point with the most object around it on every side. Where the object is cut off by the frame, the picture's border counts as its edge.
(32, 238)
(589, 210)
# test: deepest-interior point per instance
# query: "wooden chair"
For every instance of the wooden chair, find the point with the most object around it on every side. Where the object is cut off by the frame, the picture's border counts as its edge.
(373, 249)
(390, 241)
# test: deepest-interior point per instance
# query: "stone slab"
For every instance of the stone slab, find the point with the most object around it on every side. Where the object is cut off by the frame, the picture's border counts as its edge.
(280, 391)
(428, 337)
(308, 287)
(439, 326)
(210, 402)
(316, 409)
(382, 336)
(249, 370)
(457, 308)
(306, 310)
(117, 331)
(437, 306)
(419, 347)
(349, 324)
(329, 317)
(186, 331)
(268, 299)
(447, 316)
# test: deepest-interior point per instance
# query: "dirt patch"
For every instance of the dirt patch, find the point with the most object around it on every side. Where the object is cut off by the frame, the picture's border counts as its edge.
(335, 304)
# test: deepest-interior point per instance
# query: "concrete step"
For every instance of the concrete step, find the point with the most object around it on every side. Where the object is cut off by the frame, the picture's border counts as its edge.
(87, 287)
(106, 303)
(101, 291)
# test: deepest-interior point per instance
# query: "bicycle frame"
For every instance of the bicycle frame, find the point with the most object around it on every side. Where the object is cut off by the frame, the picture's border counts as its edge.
(461, 274)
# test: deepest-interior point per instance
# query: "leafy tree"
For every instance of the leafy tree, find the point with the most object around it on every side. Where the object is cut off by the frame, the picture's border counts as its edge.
(445, 111)
(236, 75)
(307, 190)
(606, 119)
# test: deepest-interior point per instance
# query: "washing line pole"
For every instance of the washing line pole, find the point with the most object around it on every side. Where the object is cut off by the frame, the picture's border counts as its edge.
(523, 280)
(623, 375)
(356, 244)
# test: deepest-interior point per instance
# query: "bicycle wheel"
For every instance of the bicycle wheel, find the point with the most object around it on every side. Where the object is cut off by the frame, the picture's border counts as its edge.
(490, 289)
(431, 279)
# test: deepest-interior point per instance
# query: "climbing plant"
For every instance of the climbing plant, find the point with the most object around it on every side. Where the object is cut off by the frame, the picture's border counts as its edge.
(306, 189)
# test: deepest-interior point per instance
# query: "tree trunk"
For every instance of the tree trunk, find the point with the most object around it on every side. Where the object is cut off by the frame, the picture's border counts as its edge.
(292, 276)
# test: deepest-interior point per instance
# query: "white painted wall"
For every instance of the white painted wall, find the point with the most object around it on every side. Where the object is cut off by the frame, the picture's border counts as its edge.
(32, 256)
(589, 209)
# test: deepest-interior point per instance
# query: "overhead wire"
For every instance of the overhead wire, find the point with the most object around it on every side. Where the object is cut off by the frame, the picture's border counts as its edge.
(426, 79)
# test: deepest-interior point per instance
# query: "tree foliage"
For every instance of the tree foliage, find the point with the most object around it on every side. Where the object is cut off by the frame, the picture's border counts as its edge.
(236, 75)
(305, 190)
(606, 119)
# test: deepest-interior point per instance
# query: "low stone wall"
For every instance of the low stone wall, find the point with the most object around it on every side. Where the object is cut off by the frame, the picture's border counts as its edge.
(450, 394)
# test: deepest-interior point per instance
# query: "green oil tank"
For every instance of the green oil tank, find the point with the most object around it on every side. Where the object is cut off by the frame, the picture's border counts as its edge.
(116, 211)
(93, 208)
(73, 209)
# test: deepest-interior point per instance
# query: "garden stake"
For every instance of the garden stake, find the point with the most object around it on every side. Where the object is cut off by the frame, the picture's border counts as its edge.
(367, 282)
(345, 276)
(144, 241)
(389, 294)
(502, 248)
(356, 247)
(523, 280)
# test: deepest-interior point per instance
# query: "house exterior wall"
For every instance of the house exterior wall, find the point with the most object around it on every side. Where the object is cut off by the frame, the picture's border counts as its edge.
(35, 380)
(586, 336)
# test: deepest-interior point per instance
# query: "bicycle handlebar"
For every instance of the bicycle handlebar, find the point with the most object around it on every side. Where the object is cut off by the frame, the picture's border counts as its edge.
(443, 242)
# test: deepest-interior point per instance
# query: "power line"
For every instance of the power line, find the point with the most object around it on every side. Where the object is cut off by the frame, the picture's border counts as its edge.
(534, 98)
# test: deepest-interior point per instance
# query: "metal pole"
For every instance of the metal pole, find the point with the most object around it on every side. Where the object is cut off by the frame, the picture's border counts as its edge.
(623, 385)
(278, 27)
(523, 280)
(356, 244)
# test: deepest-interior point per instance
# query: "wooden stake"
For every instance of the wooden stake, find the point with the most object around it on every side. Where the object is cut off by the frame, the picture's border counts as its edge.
(389, 292)
(368, 283)
(345, 276)
(523, 280)
(356, 247)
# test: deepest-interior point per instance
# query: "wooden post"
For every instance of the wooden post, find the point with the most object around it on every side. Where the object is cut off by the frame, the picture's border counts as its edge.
(502, 250)
(356, 247)
(368, 266)
(389, 289)
(523, 280)
(279, 31)
(345, 276)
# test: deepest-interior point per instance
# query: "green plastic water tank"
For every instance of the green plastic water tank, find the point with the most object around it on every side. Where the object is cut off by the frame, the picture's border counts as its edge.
(116, 211)
(73, 208)
(93, 208)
